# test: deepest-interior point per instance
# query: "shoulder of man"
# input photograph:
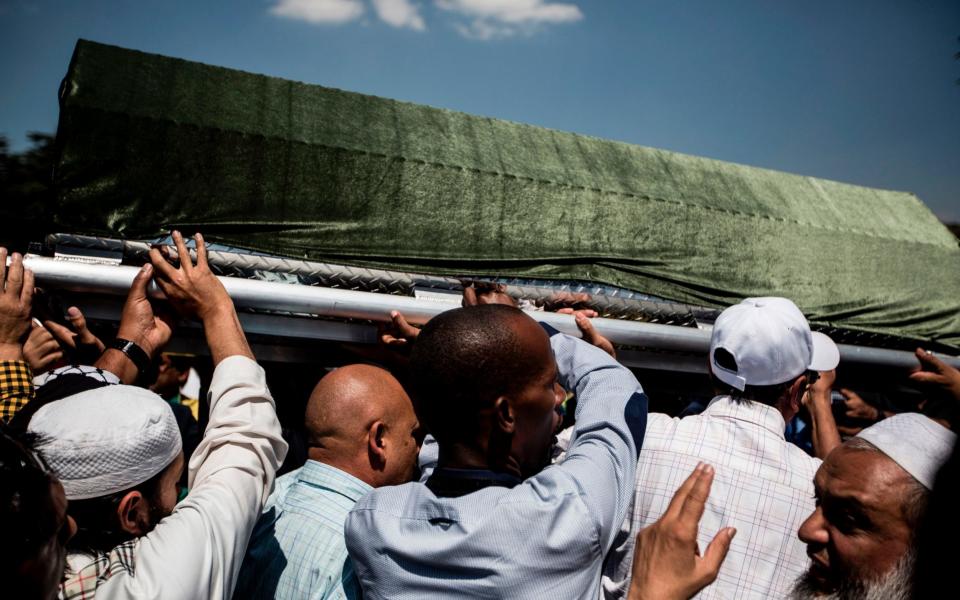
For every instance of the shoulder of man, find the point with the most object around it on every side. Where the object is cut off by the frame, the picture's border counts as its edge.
(81, 582)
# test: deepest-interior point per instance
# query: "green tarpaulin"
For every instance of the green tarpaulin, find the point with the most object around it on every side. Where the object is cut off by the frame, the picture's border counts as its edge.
(149, 143)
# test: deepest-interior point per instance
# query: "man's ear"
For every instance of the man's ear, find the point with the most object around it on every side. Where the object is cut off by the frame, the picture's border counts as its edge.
(503, 415)
(133, 513)
(796, 391)
(183, 377)
(377, 444)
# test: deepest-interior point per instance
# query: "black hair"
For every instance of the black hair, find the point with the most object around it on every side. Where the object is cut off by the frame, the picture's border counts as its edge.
(936, 537)
(764, 394)
(24, 500)
(464, 359)
(98, 525)
(181, 362)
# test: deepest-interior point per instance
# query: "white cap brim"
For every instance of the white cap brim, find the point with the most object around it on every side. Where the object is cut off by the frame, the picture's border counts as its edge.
(826, 355)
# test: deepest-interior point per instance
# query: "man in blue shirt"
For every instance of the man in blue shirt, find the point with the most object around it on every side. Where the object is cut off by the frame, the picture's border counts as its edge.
(362, 433)
(493, 520)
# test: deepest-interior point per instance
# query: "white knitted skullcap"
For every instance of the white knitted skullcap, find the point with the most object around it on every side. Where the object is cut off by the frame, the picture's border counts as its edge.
(107, 440)
(915, 442)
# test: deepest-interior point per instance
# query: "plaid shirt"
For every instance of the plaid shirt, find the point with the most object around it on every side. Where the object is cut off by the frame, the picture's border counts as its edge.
(86, 572)
(16, 387)
(763, 486)
(297, 548)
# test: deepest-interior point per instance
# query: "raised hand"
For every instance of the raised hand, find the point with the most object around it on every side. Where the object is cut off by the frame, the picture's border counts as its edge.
(667, 564)
(41, 350)
(590, 334)
(16, 297)
(77, 334)
(824, 384)
(475, 293)
(820, 390)
(86, 346)
(398, 333)
(563, 300)
(825, 435)
(138, 323)
(934, 371)
(193, 290)
(858, 408)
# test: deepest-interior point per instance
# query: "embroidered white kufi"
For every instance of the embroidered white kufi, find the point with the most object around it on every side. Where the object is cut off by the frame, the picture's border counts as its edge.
(917, 443)
(107, 440)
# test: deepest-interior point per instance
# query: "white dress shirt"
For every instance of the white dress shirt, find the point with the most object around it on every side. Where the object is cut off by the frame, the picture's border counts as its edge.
(763, 486)
(196, 551)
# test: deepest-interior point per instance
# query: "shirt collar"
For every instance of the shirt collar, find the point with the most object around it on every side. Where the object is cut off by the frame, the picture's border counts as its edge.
(453, 483)
(765, 416)
(318, 474)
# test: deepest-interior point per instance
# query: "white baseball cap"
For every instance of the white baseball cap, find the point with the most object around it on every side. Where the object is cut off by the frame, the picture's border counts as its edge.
(770, 341)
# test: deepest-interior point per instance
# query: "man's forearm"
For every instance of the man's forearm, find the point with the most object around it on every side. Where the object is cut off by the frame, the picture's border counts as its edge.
(119, 364)
(825, 435)
(224, 335)
(610, 424)
(231, 474)
(602, 385)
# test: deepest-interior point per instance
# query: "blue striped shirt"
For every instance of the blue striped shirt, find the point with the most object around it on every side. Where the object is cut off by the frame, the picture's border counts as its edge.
(544, 538)
(297, 548)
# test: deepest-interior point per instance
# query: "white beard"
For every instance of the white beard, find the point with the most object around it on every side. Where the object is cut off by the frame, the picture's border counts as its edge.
(897, 584)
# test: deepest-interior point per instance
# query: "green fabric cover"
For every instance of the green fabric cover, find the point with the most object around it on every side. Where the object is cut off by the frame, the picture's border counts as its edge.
(149, 143)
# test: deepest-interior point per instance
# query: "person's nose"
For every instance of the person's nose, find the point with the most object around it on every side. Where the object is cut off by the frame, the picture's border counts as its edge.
(813, 531)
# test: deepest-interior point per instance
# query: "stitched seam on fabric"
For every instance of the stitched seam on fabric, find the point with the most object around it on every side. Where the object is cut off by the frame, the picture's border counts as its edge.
(436, 164)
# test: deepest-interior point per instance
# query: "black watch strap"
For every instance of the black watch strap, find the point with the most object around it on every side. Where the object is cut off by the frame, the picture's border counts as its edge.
(134, 352)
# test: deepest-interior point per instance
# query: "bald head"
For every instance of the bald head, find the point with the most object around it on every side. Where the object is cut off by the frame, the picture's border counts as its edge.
(346, 401)
(358, 419)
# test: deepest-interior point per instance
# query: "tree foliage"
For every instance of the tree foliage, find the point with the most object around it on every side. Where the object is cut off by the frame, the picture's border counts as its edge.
(27, 191)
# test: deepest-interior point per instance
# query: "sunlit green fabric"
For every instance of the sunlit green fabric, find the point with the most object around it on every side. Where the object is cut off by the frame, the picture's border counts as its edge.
(149, 143)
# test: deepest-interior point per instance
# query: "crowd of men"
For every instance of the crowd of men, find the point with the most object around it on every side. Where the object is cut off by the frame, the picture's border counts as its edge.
(459, 482)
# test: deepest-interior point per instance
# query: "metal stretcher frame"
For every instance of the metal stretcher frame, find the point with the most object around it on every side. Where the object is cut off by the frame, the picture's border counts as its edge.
(307, 300)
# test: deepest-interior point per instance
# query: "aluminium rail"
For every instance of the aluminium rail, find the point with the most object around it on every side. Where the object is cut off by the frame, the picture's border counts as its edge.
(350, 304)
(609, 301)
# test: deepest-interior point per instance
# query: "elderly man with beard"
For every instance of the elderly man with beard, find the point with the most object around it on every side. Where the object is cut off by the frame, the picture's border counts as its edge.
(871, 494)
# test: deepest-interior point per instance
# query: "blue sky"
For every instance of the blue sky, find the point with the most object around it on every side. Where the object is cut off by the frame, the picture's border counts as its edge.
(856, 91)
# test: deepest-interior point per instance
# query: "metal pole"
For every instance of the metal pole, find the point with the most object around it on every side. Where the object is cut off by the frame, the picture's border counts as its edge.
(349, 304)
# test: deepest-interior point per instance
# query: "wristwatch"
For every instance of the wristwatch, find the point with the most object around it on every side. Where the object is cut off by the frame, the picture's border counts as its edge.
(134, 352)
